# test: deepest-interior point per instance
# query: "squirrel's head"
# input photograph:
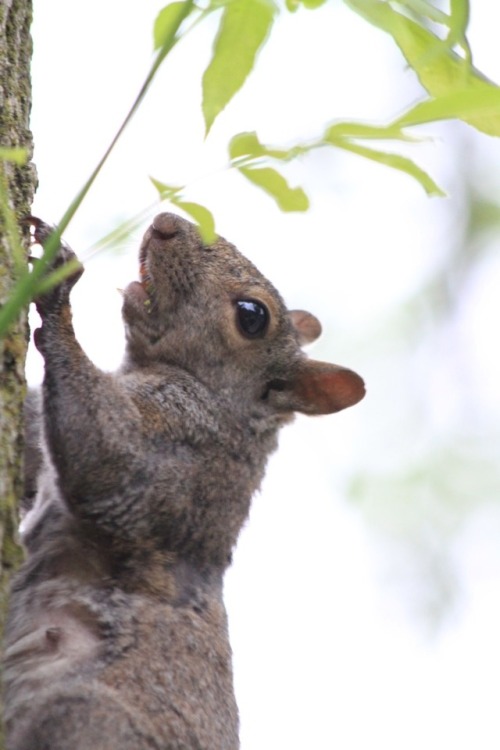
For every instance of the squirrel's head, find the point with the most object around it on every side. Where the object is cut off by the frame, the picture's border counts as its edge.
(208, 310)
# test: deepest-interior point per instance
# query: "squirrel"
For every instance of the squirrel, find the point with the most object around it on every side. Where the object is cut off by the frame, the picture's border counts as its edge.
(117, 632)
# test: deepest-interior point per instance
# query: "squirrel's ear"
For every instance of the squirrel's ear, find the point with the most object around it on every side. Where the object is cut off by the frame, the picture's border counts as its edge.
(308, 327)
(318, 388)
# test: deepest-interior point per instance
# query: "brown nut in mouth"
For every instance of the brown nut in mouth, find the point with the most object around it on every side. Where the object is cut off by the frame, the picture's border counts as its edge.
(145, 279)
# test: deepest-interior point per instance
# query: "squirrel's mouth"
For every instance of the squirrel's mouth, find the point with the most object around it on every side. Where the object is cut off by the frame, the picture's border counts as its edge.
(145, 279)
(142, 294)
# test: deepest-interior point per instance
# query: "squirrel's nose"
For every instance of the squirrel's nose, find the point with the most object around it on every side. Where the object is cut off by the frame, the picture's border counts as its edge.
(166, 225)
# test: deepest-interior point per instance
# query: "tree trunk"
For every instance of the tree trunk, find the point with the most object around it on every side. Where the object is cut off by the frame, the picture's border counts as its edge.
(15, 103)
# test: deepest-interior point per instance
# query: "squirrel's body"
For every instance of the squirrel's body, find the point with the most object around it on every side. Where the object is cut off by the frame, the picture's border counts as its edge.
(117, 634)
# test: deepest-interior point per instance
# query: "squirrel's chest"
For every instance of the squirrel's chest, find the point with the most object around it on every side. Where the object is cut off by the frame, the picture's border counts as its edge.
(177, 673)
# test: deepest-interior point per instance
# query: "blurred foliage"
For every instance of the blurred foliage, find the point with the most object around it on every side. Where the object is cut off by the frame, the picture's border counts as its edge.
(439, 478)
(420, 510)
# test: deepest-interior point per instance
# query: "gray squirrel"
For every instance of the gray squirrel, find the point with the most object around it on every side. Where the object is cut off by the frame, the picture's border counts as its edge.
(117, 633)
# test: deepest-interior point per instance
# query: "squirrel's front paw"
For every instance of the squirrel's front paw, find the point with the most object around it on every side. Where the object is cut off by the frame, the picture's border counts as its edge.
(57, 295)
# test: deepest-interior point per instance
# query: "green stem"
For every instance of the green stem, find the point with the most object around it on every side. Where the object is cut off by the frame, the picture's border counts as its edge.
(25, 289)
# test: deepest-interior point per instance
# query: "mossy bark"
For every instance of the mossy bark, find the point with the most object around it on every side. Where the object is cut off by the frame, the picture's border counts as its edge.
(15, 103)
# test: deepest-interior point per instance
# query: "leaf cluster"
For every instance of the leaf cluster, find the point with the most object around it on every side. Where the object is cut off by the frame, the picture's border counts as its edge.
(433, 42)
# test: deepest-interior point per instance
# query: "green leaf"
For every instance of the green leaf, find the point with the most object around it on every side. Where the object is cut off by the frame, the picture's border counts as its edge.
(287, 198)
(166, 192)
(464, 104)
(200, 214)
(293, 5)
(164, 23)
(439, 69)
(427, 10)
(55, 277)
(469, 105)
(459, 20)
(312, 4)
(339, 130)
(15, 155)
(247, 144)
(396, 161)
(202, 217)
(244, 27)
(115, 239)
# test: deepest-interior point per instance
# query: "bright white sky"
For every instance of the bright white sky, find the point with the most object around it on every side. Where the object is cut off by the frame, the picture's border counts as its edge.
(326, 654)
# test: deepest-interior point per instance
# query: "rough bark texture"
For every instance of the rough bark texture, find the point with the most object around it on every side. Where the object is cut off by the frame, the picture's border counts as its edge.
(15, 102)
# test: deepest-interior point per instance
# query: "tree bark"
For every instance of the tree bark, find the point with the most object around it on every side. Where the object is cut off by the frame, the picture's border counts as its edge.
(15, 104)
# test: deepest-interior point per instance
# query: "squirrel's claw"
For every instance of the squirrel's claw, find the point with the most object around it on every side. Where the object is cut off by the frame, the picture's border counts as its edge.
(42, 230)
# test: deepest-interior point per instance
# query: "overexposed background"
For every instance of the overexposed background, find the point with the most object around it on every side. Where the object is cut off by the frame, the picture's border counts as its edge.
(364, 600)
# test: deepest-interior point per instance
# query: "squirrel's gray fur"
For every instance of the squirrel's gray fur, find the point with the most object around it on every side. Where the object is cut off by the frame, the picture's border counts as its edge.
(117, 634)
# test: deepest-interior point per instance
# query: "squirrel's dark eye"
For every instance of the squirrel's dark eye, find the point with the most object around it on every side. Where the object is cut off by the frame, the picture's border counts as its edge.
(252, 317)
